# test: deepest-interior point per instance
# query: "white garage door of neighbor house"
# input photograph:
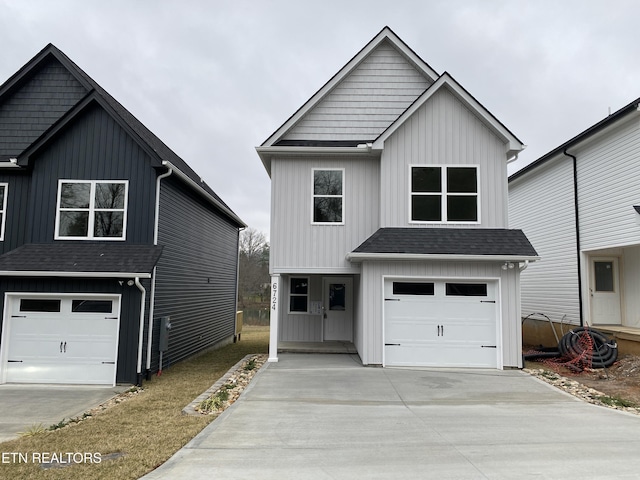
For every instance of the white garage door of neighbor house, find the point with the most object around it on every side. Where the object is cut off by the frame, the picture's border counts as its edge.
(440, 323)
(62, 340)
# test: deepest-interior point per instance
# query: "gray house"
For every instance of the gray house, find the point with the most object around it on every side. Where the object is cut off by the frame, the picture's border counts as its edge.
(104, 232)
(580, 206)
(389, 215)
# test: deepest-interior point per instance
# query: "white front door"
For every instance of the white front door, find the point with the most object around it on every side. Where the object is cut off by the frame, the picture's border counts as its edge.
(337, 308)
(64, 339)
(605, 291)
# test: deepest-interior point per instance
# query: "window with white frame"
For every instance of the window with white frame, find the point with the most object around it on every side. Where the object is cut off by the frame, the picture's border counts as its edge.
(299, 295)
(328, 196)
(4, 189)
(444, 194)
(91, 210)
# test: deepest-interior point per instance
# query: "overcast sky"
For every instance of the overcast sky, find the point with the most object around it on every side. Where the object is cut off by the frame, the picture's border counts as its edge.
(213, 79)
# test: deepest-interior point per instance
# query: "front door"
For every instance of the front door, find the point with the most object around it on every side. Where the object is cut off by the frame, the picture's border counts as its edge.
(605, 291)
(337, 309)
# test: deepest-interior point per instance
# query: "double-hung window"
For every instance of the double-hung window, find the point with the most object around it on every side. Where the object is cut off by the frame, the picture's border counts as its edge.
(328, 196)
(91, 210)
(444, 194)
(299, 295)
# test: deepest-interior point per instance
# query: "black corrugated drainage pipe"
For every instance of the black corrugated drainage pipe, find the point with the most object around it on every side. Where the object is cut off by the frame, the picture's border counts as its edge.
(577, 215)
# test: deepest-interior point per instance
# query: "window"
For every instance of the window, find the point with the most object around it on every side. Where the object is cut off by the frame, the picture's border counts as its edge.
(328, 196)
(299, 295)
(4, 188)
(39, 305)
(91, 210)
(92, 306)
(444, 194)
(466, 289)
(413, 288)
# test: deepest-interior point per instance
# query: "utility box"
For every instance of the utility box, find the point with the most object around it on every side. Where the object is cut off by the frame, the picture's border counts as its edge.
(165, 326)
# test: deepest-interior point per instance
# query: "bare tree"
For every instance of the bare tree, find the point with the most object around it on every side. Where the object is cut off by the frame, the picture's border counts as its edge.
(253, 278)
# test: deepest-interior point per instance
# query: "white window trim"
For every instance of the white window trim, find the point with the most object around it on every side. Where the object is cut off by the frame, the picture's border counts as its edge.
(298, 295)
(443, 194)
(314, 196)
(92, 210)
(3, 209)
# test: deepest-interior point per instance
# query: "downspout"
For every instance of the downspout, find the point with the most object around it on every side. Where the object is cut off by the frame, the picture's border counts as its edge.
(524, 266)
(577, 215)
(152, 298)
(235, 334)
(141, 335)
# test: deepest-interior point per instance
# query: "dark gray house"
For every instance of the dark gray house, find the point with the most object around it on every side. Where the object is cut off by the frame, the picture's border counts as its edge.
(104, 232)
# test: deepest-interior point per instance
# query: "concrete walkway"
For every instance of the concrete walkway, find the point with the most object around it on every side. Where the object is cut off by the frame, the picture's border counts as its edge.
(24, 406)
(327, 417)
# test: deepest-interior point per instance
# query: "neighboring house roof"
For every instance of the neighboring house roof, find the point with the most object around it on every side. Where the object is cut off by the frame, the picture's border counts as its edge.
(108, 260)
(631, 108)
(95, 93)
(277, 143)
(445, 243)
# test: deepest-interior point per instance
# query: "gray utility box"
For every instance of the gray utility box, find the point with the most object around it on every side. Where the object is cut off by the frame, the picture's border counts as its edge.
(165, 326)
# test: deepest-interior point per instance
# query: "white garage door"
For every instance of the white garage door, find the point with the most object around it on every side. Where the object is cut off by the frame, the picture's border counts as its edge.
(440, 323)
(62, 340)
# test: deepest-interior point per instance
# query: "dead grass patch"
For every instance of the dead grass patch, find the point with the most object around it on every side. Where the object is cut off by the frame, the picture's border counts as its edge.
(146, 429)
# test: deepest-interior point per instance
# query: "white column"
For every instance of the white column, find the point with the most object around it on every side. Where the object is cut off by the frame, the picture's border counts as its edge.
(274, 318)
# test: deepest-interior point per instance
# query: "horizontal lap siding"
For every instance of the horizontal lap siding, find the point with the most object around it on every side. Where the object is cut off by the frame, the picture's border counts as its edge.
(295, 242)
(35, 106)
(541, 204)
(444, 131)
(366, 102)
(196, 275)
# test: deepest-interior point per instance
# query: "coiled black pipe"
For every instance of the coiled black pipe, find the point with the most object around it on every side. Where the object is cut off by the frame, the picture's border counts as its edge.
(603, 355)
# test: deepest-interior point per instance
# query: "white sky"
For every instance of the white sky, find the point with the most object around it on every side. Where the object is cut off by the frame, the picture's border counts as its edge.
(213, 79)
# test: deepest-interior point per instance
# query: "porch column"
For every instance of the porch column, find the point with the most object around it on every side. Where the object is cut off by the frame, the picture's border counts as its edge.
(274, 318)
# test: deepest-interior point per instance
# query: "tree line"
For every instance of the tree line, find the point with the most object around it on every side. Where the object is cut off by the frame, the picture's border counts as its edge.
(253, 269)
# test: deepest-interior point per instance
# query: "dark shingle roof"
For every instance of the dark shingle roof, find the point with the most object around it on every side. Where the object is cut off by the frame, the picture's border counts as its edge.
(448, 241)
(98, 258)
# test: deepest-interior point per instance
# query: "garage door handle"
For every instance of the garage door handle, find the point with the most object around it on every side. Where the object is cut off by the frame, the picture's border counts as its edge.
(63, 347)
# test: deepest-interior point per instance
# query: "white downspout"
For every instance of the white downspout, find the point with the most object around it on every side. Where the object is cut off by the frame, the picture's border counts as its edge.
(524, 266)
(152, 298)
(141, 335)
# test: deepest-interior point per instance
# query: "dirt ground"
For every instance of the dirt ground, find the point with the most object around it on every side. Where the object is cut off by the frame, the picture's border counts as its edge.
(621, 380)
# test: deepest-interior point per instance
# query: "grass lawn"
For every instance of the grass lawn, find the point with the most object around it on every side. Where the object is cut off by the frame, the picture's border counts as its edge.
(147, 429)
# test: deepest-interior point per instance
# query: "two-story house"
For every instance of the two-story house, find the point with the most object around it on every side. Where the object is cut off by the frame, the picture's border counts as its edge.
(108, 238)
(388, 218)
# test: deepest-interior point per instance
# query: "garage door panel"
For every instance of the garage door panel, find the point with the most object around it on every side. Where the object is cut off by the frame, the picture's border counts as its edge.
(442, 330)
(49, 372)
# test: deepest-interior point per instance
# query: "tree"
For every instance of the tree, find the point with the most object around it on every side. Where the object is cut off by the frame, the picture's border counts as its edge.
(253, 275)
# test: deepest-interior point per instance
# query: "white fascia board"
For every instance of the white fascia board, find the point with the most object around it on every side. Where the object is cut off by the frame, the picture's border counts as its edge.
(189, 181)
(315, 271)
(385, 34)
(267, 153)
(513, 145)
(33, 273)
(360, 256)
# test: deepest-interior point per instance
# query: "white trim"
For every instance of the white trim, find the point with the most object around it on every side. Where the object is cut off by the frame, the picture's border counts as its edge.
(289, 294)
(6, 329)
(360, 256)
(443, 194)
(92, 210)
(274, 317)
(314, 196)
(513, 144)
(36, 273)
(302, 271)
(3, 209)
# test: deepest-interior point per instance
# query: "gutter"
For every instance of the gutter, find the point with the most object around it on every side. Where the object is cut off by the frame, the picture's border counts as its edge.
(360, 256)
(576, 210)
(152, 298)
(207, 196)
(31, 273)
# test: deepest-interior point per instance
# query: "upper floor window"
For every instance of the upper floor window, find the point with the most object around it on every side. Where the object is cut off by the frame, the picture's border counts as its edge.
(4, 189)
(444, 194)
(91, 210)
(328, 196)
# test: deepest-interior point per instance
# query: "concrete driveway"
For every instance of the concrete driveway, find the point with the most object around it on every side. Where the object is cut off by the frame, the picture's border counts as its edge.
(327, 417)
(22, 406)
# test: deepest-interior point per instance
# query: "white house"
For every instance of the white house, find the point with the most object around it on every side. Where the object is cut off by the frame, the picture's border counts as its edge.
(579, 204)
(389, 216)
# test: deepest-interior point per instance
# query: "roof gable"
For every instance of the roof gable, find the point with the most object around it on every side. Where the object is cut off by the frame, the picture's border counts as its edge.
(446, 81)
(371, 90)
